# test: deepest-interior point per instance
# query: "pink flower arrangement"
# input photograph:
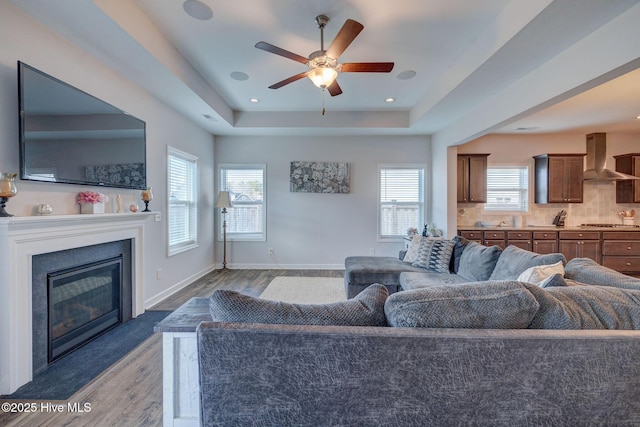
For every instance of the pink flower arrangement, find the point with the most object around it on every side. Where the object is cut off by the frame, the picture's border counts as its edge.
(91, 197)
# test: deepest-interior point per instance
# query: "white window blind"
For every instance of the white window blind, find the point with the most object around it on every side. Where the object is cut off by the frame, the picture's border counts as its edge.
(183, 203)
(507, 188)
(401, 200)
(246, 220)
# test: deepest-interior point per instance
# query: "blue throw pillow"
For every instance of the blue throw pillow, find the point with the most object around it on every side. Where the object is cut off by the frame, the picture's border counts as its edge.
(478, 261)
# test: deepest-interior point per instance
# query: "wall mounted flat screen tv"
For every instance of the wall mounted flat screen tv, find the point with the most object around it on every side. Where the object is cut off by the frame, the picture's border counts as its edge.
(68, 136)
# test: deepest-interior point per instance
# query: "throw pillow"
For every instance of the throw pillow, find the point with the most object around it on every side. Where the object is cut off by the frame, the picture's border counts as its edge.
(459, 244)
(537, 274)
(412, 252)
(478, 261)
(435, 255)
(587, 271)
(553, 281)
(365, 309)
(488, 305)
(586, 307)
(515, 260)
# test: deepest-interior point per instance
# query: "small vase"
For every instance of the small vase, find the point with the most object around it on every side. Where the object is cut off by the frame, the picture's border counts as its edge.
(92, 208)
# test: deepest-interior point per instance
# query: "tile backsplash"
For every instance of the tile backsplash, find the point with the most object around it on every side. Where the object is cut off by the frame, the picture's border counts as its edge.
(599, 207)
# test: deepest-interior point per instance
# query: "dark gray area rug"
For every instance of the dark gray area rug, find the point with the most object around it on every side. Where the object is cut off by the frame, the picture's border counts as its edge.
(66, 376)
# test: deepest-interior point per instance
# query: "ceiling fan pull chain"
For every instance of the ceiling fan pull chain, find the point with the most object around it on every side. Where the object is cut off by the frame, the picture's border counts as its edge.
(323, 101)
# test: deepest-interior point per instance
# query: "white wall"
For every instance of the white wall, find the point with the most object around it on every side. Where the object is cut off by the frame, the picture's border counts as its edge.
(24, 39)
(599, 204)
(311, 230)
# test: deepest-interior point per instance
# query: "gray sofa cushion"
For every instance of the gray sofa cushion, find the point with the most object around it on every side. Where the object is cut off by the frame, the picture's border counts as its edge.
(366, 309)
(514, 260)
(552, 281)
(411, 280)
(585, 270)
(490, 305)
(375, 269)
(585, 307)
(478, 261)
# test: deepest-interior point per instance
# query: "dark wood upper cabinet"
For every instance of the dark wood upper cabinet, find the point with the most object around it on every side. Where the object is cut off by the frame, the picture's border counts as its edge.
(628, 191)
(559, 178)
(472, 178)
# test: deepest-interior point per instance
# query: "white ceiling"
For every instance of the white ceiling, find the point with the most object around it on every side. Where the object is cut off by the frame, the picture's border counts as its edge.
(471, 58)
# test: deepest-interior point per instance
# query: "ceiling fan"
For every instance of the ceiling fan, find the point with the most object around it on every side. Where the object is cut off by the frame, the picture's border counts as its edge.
(323, 64)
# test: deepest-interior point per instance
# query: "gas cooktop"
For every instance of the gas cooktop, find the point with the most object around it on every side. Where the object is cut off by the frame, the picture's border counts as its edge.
(610, 225)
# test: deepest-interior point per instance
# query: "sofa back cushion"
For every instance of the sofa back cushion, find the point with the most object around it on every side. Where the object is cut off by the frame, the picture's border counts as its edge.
(587, 271)
(365, 309)
(478, 261)
(514, 260)
(488, 305)
(459, 243)
(585, 307)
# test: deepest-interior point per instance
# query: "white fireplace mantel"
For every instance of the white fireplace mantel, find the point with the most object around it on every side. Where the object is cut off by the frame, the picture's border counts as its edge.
(23, 237)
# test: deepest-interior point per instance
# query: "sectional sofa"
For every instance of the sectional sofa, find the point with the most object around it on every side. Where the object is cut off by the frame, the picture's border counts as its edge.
(492, 352)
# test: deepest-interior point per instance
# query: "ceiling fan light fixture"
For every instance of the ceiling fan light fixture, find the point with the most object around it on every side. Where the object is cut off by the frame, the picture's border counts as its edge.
(323, 77)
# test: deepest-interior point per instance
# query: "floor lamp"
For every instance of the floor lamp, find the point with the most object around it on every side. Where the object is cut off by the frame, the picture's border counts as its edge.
(224, 202)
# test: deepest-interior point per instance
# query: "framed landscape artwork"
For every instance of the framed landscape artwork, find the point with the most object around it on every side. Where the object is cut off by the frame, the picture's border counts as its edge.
(319, 177)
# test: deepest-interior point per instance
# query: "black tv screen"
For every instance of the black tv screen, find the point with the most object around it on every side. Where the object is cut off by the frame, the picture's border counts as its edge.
(68, 136)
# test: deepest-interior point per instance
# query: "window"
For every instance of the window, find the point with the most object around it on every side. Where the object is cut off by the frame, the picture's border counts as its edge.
(246, 220)
(507, 188)
(182, 176)
(401, 200)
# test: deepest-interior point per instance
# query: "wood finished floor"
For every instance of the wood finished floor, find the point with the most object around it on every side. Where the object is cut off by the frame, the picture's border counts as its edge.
(129, 393)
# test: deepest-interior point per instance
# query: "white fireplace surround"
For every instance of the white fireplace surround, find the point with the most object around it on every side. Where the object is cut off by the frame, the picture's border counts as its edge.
(23, 237)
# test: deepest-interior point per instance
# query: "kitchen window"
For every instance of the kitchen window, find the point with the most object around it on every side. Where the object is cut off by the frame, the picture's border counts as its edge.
(246, 184)
(401, 200)
(507, 189)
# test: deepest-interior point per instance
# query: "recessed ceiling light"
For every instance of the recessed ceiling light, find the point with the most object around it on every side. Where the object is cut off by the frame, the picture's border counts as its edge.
(197, 10)
(406, 75)
(390, 100)
(239, 76)
(254, 100)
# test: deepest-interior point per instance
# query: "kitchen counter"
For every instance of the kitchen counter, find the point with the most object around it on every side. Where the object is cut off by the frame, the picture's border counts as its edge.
(546, 228)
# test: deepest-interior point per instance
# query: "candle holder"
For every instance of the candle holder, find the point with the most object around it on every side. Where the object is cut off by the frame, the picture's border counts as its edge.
(146, 197)
(7, 189)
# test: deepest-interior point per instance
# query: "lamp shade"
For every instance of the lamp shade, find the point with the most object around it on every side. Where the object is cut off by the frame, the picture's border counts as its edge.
(224, 200)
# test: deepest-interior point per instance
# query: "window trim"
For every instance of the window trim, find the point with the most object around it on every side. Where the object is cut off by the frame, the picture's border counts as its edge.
(530, 177)
(245, 237)
(422, 190)
(192, 243)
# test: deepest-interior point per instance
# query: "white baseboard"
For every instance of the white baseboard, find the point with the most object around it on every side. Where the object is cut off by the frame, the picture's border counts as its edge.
(178, 286)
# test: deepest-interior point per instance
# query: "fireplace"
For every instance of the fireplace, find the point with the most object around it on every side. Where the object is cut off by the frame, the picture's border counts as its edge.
(84, 301)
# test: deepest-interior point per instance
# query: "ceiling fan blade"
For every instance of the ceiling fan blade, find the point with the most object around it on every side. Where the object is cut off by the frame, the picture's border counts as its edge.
(367, 67)
(289, 80)
(345, 36)
(279, 51)
(334, 88)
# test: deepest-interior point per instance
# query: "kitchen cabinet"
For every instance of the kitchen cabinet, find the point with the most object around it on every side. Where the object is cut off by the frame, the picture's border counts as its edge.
(521, 239)
(472, 236)
(559, 178)
(495, 238)
(621, 251)
(628, 191)
(580, 244)
(545, 242)
(472, 178)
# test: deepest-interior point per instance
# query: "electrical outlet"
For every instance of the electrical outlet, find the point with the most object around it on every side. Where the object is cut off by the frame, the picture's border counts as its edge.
(372, 251)
(158, 217)
(159, 274)
(270, 251)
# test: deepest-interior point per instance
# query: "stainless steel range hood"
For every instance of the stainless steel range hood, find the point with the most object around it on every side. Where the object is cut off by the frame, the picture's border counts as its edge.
(597, 158)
